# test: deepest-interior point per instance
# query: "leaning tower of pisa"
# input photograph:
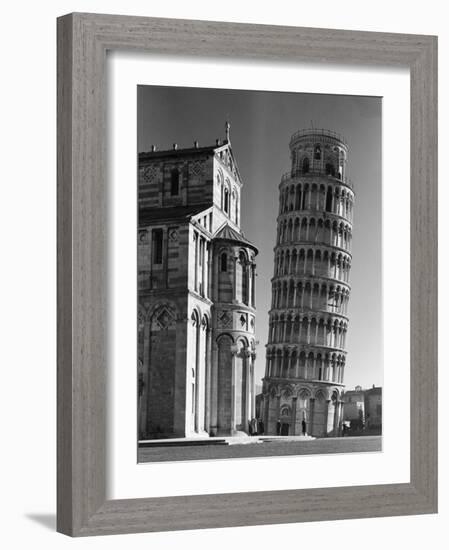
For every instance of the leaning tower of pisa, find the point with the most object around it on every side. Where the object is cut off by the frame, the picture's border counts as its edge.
(308, 321)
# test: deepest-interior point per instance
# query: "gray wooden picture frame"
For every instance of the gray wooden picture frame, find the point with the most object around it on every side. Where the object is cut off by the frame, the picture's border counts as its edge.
(83, 40)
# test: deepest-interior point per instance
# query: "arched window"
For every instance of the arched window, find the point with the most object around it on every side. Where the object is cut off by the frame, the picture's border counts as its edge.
(226, 201)
(224, 262)
(317, 152)
(235, 198)
(329, 199)
(244, 273)
(298, 198)
(174, 183)
(303, 197)
(305, 165)
(157, 238)
(330, 169)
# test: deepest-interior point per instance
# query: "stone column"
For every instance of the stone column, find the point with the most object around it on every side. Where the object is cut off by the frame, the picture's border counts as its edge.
(214, 389)
(202, 364)
(196, 260)
(253, 386)
(253, 285)
(247, 401)
(297, 365)
(206, 269)
(289, 363)
(294, 402)
(216, 265)
(235, 278)
(336, 414)
(233, 391)
(249, 283)
(326, 416)
(198, 376)
(182, 414)
(208, 390)
(312, 414)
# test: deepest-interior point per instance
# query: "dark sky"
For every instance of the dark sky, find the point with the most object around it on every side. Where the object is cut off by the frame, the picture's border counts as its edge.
(261, 126)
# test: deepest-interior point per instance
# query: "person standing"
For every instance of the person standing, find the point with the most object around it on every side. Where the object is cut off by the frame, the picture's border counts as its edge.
(304, 427)
(254, 426)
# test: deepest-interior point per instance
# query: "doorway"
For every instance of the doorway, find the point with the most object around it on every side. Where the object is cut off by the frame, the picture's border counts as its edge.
(285, 428)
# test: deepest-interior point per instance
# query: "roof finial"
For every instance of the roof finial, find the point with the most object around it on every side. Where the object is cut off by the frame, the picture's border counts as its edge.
(227, 127)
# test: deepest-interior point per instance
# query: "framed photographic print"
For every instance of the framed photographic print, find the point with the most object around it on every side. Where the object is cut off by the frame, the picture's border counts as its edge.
(247, 274)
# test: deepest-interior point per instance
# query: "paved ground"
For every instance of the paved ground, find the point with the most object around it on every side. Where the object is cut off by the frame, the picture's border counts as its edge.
(273, 447)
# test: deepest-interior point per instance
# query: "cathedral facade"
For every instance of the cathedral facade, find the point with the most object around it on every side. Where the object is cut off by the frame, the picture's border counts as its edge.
(196, 295)
(305, 354)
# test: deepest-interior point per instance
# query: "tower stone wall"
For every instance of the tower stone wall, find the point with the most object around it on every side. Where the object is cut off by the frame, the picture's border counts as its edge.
(308, 323)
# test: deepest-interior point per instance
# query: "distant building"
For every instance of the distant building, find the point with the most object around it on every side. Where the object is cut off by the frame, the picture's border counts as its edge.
(362, 409)
(373, 408)
(354, 407)
(196, 295)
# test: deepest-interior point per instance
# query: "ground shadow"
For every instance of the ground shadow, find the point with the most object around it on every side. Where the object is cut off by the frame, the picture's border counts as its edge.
(47, 520)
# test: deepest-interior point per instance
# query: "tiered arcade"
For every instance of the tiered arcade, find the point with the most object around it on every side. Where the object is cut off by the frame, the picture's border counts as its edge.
(306, 357)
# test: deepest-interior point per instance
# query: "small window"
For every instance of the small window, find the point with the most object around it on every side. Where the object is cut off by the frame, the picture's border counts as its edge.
(305, 165)
(226, 201)
(330, 170)
(317, 152)
(224, 262)
(201, 258)
(329, 200)
(157, 246)
(174, 184)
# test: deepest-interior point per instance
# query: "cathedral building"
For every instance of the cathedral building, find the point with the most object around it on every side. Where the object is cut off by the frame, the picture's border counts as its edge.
(305, 354)
(196, 295)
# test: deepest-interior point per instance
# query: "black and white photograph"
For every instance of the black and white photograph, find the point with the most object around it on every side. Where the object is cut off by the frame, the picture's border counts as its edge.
(221, 258)
(259, 273)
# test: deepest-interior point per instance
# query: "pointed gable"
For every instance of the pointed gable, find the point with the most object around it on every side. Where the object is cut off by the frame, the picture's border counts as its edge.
(227, 233)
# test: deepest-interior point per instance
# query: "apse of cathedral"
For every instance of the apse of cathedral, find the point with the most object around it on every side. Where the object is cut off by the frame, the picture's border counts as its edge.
(196, 295)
